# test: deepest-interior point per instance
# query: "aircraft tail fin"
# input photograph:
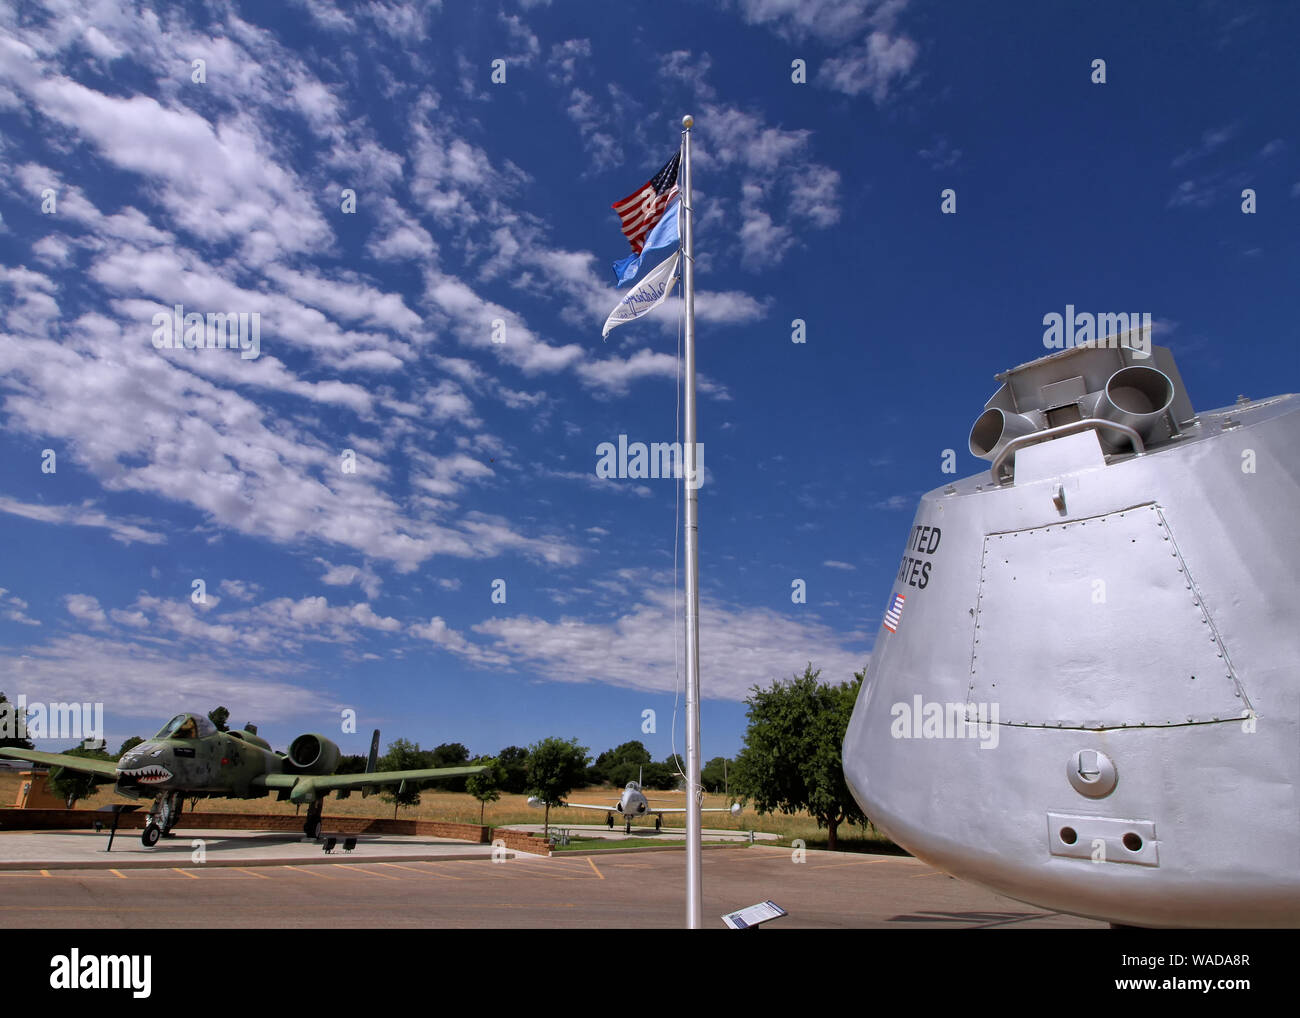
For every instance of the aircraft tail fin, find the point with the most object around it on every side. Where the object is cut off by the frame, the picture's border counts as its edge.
(372, 762)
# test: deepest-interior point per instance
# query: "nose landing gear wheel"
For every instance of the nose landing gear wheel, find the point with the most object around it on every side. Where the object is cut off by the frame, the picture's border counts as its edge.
(312, 828)
(152, 833)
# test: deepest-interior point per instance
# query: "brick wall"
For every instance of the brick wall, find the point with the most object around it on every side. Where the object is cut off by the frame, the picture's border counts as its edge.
(522, 841)
(34, 792)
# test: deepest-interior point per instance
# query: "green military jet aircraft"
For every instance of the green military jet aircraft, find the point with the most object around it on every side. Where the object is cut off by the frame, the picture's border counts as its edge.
(190, 759)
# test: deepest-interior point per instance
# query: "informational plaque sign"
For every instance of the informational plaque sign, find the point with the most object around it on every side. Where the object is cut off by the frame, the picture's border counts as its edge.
(754, 915)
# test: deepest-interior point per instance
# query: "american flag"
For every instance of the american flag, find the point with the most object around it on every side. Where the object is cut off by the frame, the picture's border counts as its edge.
(895, 613)
(643, 208)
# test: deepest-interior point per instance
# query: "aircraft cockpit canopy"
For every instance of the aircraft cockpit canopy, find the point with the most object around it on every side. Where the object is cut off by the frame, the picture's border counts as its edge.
(187, 726)
(634, 786)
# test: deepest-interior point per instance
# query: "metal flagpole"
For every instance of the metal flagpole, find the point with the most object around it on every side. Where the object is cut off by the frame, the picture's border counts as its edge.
(691, 481)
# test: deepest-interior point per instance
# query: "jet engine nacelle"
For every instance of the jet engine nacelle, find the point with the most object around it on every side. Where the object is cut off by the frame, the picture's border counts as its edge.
(314, 754)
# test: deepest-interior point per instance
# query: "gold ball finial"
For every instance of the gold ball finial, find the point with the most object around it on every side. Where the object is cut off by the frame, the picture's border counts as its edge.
(688, 121)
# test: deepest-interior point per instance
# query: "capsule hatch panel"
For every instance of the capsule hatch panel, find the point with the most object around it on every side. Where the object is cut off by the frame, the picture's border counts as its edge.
(1097, 623)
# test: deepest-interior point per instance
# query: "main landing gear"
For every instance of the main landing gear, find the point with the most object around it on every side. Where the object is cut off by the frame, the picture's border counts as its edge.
(312, 828)
(164, 813)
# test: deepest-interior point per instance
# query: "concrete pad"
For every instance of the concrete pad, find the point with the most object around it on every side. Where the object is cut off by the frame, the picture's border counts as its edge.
(667, 833)
(80, 849)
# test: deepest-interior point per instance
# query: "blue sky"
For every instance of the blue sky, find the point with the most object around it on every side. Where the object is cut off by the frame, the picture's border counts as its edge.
(479, 201)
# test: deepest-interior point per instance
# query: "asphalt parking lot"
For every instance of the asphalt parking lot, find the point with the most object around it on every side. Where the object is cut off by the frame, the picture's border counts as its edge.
(621, 890)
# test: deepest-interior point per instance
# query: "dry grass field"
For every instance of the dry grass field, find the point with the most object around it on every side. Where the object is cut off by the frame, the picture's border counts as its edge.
(512, 809)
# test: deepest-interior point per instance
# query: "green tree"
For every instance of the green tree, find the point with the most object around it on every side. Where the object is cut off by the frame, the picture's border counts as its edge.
(555, 768)
(620, 765)
(10, 726)
(792, 756)
(72, 785)
(353, 763)
(402, 755)
(127, 746)
(220, 717)
(486, 787)
(716, 774)
(515, 760)
(449, 754)
(661, 777)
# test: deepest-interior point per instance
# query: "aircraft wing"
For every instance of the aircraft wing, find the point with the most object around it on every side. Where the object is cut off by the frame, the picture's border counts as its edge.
(309, 787)
(100, 768)
(682, 809)
(649, 811)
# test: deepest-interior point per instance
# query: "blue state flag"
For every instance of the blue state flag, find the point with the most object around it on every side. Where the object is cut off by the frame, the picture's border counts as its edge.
(664, 234)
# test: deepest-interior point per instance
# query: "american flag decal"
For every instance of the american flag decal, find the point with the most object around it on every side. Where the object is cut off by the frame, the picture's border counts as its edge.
(895, 613)
(644, 207)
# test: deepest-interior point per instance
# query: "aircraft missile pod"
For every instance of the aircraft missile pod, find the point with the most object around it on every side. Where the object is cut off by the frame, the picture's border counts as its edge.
(1084, 692)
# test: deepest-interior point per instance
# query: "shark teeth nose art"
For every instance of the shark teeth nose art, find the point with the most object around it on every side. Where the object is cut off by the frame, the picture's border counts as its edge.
(148, 775)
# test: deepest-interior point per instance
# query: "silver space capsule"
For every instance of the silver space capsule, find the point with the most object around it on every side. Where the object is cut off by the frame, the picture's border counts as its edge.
(1085, 693)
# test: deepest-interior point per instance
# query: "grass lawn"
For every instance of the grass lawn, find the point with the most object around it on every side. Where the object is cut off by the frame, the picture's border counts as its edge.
(597, 844)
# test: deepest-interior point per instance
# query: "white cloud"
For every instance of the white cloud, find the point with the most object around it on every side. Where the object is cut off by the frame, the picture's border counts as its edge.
(606, 485)
(881, 56)
(691, 69)
(1193, 194)
(343, 575)
(404, 22)
(86, 609)
(740, 647)
(874, 67)
(829, 20)
(215, 181)
(602, 147)
(101, 45)
(1211, 140)
(447, 475)
(562, 64)
(940, 154)
(349, 299)
(151, 681)
(239, 590)
(762, 242)
(252, 472)
(437, 631)
(783, 189)
(80, 516)
(53, 250)
(525, 45)
(14, 609)
(614, 375)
